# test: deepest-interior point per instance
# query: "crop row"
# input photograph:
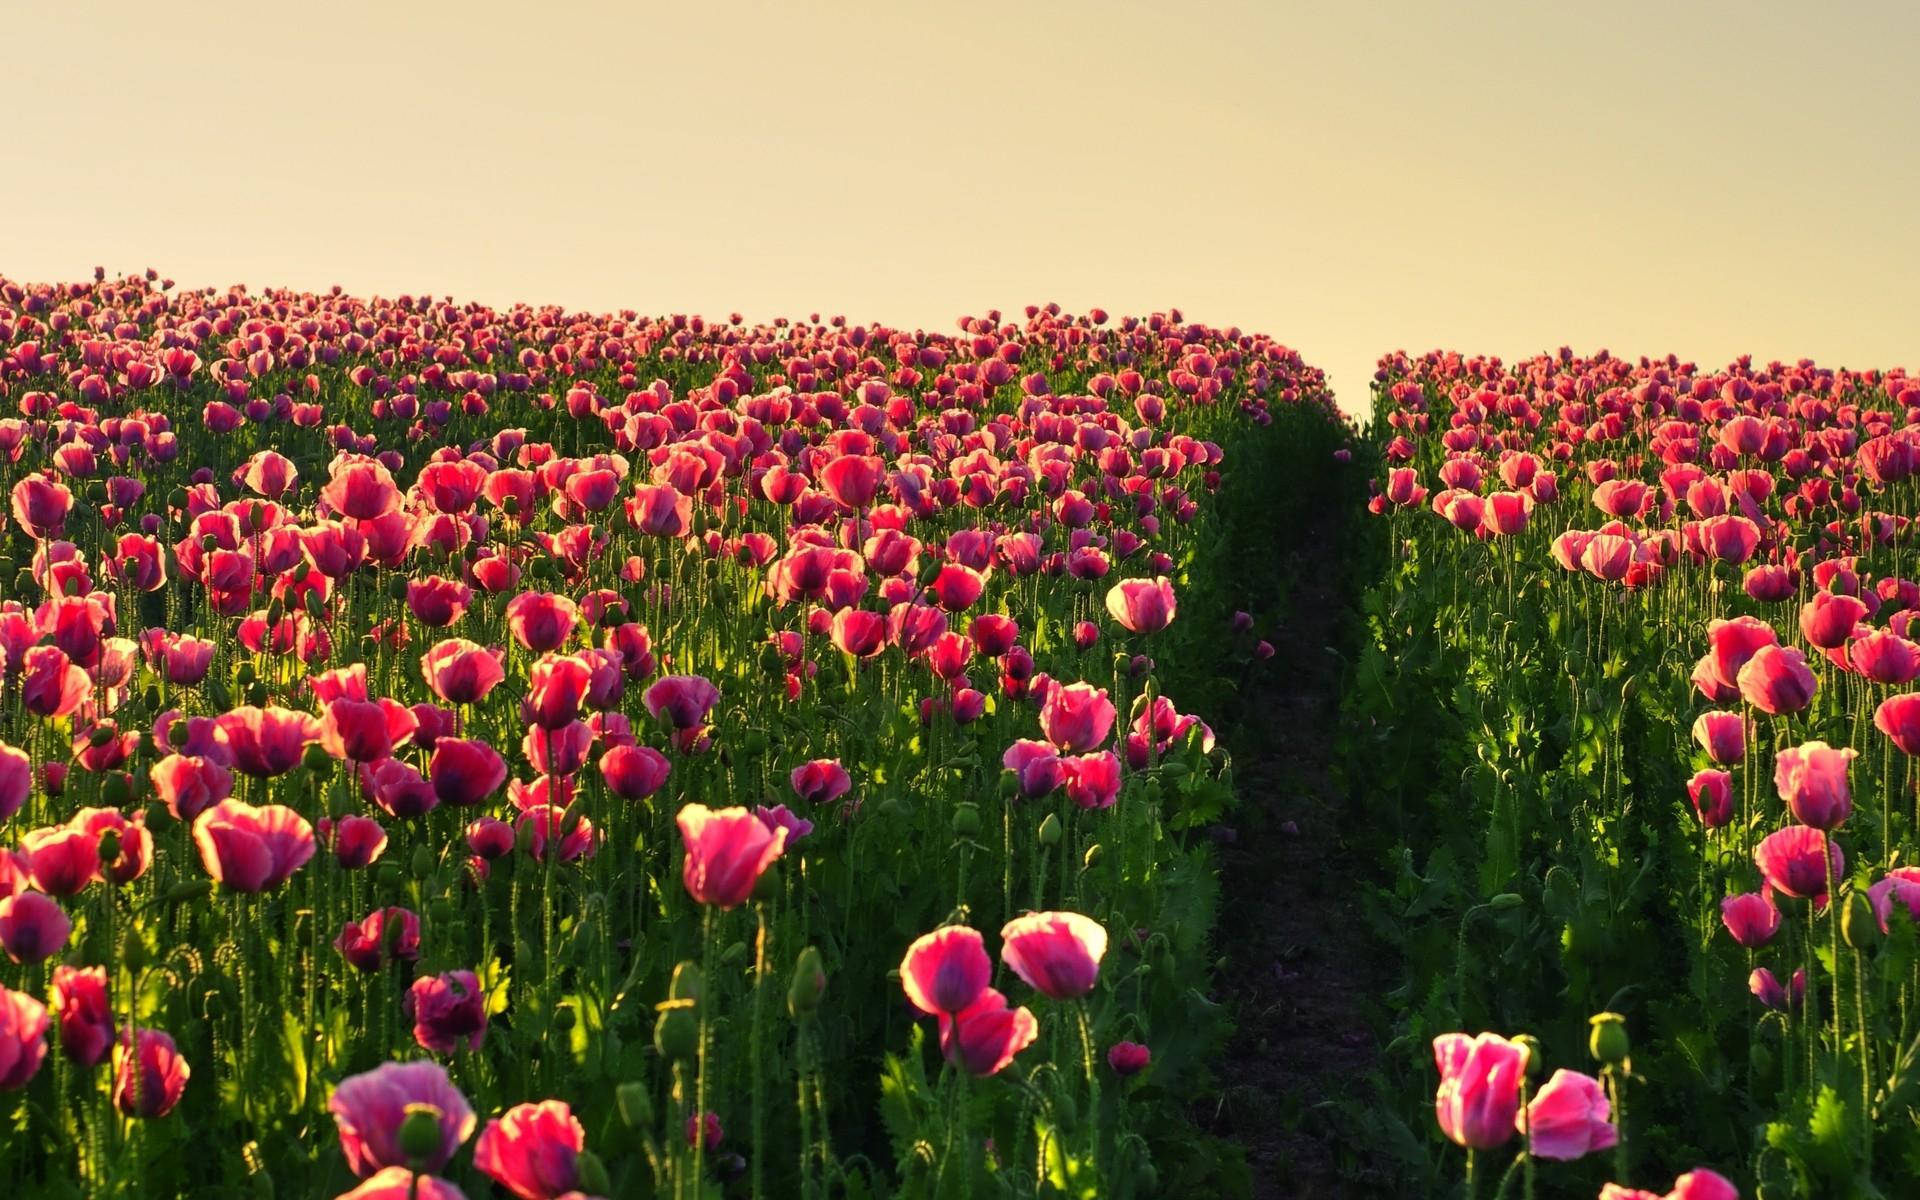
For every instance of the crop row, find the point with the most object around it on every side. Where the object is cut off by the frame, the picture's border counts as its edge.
(449, 748)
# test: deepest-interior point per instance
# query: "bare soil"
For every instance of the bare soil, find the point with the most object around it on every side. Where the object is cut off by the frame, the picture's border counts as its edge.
(1303, 977)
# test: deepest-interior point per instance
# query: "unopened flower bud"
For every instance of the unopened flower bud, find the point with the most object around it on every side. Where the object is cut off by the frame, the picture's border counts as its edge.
(1050, 831)
(809, 983)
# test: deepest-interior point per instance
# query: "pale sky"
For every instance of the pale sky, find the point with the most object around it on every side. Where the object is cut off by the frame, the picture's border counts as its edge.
(1707, 178)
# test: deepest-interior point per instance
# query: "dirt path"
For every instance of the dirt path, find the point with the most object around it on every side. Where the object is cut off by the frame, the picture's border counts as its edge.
(1303, 977)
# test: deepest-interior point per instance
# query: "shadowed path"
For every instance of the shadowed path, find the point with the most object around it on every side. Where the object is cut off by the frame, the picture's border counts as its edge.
(1302, 976)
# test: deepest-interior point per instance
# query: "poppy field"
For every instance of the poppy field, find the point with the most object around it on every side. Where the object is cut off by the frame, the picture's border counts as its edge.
(1637, 697)
(455, 751)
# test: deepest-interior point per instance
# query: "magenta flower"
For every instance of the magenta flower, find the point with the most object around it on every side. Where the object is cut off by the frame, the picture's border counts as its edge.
(727, 852)
(946, 970)
(1795, 861)
(533, 1150)
(1056, 953)
(1479, 1092)
(1567, 1118)
(447, 1010)
(370, 1107)
(1812, 779)
(1142, 605)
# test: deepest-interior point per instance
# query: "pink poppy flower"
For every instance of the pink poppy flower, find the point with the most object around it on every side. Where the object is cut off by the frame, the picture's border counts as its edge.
(726, 853)
(1056, 953)
(1567, 1119)
(946, 970)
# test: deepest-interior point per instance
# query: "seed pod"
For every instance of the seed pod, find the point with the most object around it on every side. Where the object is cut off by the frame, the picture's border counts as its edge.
(420, 1134)
(1536, 1055)
(1608, 1039)
(676, 1035)
(116, 789)
(966, 818)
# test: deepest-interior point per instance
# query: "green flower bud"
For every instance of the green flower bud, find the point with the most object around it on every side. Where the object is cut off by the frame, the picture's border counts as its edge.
(246, 674)
(316, 760)
(397, 588)
(99, 736)
(768, 885)
(1608, 1039)
(1505, 900)
(109, 847)
(809, 984)
(189, 889)
(1859, 925)
(636, 1104)
(734, 955)
(177, 734)
(389, 875)
(256, 694)
(441, 910)
(1050, 830)
(966, 819)
(133, 951)
(592, 1174)
(422, 862)
(1092, 856)
(689, 982)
